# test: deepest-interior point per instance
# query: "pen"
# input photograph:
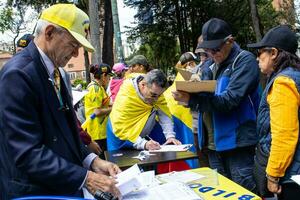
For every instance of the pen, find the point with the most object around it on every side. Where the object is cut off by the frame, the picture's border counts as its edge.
(148, 137)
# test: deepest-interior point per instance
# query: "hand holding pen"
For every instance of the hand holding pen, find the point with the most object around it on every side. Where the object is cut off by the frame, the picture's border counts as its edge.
(151, 144)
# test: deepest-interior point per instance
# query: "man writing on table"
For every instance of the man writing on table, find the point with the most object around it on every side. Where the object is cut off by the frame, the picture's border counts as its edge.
(41, 153)
(132, 120)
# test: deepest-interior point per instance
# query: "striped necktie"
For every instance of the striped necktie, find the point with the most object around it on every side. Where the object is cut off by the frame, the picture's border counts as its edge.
(56, 78)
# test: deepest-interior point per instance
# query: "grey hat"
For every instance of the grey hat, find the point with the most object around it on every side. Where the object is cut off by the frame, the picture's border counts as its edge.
(138, 59)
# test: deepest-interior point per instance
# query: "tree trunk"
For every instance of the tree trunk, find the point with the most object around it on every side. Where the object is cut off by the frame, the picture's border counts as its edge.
(87, 67)
(95, 30)
(179, 26)
(108, 56)
(117, 32)
(255, 19)
(83, 5)
(185, 26)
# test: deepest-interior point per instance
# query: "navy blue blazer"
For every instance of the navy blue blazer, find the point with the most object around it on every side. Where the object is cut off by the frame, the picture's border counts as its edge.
(41, 152)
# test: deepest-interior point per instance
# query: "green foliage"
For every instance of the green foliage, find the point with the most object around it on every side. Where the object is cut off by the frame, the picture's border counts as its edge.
(79, 81)
(168, 28)
(161, 51)
(269, 18)
(6, 16)
(38, 5)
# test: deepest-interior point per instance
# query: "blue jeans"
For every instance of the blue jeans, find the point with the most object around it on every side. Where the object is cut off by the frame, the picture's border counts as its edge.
(236, 164)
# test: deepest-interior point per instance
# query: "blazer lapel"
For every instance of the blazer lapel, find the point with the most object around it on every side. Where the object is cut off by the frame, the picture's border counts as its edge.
(54, 105)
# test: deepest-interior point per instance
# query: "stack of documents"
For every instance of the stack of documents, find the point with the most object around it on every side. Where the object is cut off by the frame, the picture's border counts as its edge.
(168, 191)
(183, 177)
(132, 180)
(135, 185)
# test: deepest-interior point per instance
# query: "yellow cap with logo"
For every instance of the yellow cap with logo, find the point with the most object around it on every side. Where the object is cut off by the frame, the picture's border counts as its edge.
(71, 18)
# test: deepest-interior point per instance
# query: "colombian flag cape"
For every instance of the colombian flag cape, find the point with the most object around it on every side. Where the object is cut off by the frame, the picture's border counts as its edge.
(183, 120)
(128, 117)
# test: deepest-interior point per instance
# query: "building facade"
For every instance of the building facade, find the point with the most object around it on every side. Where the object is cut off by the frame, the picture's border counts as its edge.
(76, 66)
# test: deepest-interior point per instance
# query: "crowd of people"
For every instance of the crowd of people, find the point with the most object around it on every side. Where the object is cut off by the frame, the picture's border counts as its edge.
(248, 135)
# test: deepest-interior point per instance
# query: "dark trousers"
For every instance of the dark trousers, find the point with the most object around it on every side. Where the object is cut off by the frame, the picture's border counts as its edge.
(236, 164)
(290, 191)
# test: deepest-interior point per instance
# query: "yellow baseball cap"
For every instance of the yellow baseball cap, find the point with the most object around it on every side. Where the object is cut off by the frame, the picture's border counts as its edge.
(71, 18)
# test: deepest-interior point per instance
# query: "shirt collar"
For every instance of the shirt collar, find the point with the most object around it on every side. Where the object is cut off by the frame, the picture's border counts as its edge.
(48, 63)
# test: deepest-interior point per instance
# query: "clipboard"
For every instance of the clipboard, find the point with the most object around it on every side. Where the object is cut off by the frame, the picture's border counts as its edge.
(196, 86)
(185, 73)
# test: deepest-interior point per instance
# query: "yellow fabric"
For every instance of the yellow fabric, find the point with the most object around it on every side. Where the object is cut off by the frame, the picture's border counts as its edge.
(214, 186)
(132, 75)
(179, 111)
(284, 101)
(71, 18)
(130, 113)
(95, 98)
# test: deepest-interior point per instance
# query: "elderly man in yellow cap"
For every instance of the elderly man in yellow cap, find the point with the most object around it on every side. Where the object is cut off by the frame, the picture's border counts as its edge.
(40, 151)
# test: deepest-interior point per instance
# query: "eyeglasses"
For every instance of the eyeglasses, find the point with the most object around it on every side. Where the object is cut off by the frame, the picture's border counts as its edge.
(216, 50)
(262, 50)
(154, 95)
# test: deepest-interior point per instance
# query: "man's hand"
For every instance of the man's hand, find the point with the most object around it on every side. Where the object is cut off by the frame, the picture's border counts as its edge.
(103, 183)
(274, 187)
(104, 167)
(94, 147)
(172, 140)
(181, 96)
(152, 145)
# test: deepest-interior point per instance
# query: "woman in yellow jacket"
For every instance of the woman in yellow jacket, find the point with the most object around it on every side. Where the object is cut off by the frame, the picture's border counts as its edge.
(97, 104)
(278, 151)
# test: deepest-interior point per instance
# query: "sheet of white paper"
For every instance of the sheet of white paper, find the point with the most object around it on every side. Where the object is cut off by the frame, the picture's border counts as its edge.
(184, 177)
(128, 174)
(296, 178)
(78, 95)
(128, 180)
(86, 194)
(179, 191)
(147, 178)
(164, 148)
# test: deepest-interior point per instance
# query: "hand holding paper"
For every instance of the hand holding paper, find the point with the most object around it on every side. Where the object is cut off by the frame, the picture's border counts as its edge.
(181, 96)
(95, 181)
(104, 167)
